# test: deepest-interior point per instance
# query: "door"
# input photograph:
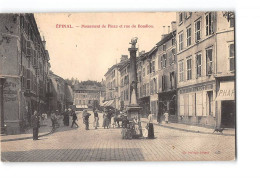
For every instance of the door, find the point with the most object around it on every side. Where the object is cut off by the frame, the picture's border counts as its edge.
(228, 114)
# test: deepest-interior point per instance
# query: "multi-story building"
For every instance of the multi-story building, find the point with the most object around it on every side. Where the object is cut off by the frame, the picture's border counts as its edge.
(87, 96)
(205, 55)
(167, 70)
(59, 95)
(24, 64)
(112, 97)
(124, 84)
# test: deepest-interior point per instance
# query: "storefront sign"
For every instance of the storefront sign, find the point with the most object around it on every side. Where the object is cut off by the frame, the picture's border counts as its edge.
(197, 88)
(226, 91)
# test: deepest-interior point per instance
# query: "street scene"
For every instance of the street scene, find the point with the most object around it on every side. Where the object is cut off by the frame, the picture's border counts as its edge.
(118, 87)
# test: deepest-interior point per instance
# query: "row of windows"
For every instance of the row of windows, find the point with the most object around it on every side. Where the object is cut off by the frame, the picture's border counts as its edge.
(198, 65)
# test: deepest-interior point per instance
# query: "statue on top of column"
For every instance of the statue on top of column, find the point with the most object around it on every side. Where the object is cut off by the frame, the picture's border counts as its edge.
(133, 42)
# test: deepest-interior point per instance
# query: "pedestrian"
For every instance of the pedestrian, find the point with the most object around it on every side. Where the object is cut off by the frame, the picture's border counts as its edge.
(105, 120)
(53, 118)
(74, 118)
(35, 125)
(66, 118)
(150, 126)
(96, 119)
(86, 120)
(166, 117)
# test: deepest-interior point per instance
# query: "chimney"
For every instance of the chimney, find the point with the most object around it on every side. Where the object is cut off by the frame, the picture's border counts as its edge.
(142, 52)
(174, 26)
(123, 57)
(163, 35)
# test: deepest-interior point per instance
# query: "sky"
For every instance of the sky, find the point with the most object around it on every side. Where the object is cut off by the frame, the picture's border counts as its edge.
(87, 53)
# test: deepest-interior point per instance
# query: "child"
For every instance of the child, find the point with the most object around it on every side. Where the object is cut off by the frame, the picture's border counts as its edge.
(166, 116)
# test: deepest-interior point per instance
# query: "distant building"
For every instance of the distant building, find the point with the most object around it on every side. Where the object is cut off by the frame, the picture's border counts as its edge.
(87, 96)
(24, 64)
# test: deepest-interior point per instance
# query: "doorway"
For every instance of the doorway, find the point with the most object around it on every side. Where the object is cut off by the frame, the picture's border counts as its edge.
(228, 114)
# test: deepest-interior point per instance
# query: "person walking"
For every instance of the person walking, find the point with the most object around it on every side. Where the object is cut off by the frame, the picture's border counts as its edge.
(150, 126)
(166, 117)
(35, 125)
(86, 120)
(96, 119)
(66, 118)
(74, 118)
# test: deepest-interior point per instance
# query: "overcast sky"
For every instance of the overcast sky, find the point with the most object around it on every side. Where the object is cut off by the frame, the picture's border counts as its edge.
(87, 53)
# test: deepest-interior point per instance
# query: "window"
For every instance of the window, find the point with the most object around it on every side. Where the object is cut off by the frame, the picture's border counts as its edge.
(180, 18)
(209, 24)
(198, 65)
(153, 66)
(231, 57)
(232, 22)
(164, 47)
(143, 72)
(188, 36)
(162, 62)
(172, 80)
(189, 72)
(173, 41)
(181, 71)
(22, 22)
(181, 41)
(210, 102)
(209, 60)
(165, 60)
(197, 30)
(163, 83)
(187, 15)
(126, 92)
(148, 69)
(174, 54)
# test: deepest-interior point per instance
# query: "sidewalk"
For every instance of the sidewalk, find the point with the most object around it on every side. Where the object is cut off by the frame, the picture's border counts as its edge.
(191, 128)
(44, 130)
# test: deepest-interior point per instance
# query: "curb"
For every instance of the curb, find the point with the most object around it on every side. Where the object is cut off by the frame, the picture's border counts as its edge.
(192, 131)
(25, 138)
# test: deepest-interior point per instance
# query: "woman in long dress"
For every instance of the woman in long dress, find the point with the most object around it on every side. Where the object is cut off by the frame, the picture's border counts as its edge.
(150, 127)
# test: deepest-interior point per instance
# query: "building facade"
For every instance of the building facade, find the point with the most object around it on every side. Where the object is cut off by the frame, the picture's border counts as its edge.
(113, 77)
(205, 57)
(59, 95)
(87, 96)
(24, 64)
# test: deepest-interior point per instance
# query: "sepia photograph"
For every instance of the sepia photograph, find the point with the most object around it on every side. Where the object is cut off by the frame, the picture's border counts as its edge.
(118, 86)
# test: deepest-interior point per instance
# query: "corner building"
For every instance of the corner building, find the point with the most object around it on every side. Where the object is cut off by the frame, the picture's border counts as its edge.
(205, 55)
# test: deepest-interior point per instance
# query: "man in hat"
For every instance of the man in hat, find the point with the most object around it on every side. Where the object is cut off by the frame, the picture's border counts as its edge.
(35, 125)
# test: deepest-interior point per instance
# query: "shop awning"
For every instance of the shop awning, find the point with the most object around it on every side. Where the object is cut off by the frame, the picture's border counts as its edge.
(108, 103)
(226, 91)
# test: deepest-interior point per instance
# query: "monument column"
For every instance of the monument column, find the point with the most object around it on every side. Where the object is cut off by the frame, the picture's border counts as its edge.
(133, 110)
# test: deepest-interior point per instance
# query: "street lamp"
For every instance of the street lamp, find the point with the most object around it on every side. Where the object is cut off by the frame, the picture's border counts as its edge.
(2, 81)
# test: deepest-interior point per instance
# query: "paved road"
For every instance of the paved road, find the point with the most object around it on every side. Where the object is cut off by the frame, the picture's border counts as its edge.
(77, 144)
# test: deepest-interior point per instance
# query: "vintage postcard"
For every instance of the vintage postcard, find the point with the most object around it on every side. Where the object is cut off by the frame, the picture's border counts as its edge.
(128, 86)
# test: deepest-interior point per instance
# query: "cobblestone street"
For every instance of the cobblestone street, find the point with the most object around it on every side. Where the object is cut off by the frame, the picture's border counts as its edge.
(77, 144)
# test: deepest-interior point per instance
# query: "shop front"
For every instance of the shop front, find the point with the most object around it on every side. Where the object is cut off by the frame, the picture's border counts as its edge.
(196, 104)
(226, 105)
(167, 103)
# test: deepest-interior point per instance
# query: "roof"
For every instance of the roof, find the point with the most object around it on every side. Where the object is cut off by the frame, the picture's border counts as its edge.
(166, 38)
(124, 64)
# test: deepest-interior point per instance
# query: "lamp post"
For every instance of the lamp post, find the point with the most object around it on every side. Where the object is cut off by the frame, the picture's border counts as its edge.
(2, 81)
